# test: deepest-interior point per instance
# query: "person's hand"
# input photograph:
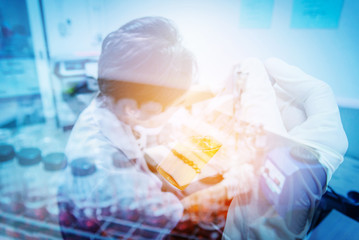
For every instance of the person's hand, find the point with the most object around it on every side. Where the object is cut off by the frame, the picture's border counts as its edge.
(205, 205)
(202, 205)
(309, 111)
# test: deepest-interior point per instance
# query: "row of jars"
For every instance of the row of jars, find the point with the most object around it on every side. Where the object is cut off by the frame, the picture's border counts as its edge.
(83, 195)
(29, 182)
(125, 195)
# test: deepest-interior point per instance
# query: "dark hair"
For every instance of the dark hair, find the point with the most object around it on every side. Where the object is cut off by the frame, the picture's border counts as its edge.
(142, 93)
(145, 60)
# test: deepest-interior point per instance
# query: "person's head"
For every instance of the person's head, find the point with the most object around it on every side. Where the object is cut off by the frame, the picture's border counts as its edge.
(144, 62)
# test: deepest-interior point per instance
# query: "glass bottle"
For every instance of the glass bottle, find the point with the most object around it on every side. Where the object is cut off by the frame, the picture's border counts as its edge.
(126, 178)
(90, 194)
(33, 181)
(55, 166)
(10, 182)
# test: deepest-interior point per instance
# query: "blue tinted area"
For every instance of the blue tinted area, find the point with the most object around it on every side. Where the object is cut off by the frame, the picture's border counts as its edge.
(316, 13)
(333, 225)
(256, 13)
(15, 35)
(350, 120)
(319, 36)
(346, 178)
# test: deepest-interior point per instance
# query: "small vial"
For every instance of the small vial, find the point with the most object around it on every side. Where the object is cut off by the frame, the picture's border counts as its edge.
(83, 180)
(54, 167)
(33, 181)
(91, 194)
(127, 179)
(10, 181)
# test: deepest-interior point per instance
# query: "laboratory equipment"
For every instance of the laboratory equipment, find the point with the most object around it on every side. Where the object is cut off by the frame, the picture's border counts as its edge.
(25, 93)
(32, 176)
(293, 181)
(127, 181)
(140, 199)
(10, 181)
(54, 166)
(186, 160)
(75, 84)
(89, 195)
(154, 219)
(83, 180)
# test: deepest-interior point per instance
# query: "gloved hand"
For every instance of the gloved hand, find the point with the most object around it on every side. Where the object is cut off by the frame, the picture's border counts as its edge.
(309, 111)
(207, 204)
(311, 116)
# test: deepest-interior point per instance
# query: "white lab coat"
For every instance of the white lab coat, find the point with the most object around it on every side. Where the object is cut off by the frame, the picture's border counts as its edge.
(98, 134)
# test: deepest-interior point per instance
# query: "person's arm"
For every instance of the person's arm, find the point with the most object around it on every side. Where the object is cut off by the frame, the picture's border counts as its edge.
(321, 127)
(311, 116)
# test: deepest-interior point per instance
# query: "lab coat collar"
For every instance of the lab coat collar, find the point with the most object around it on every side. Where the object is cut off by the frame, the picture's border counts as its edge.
(118, 133)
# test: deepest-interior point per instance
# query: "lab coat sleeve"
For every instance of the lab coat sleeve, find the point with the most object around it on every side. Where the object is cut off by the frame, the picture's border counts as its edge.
(256, 218)
(321, 127)
(86, 140)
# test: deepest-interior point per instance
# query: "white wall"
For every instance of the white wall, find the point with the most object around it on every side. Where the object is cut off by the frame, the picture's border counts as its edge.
(211, 29)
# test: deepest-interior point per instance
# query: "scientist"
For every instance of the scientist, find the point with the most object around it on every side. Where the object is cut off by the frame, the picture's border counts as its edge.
(143, 68)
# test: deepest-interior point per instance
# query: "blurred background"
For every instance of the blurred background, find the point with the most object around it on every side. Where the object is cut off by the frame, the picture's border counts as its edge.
(49, 48)
(49, 51)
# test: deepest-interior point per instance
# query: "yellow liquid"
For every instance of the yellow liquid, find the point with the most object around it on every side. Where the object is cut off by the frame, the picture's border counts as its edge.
(196, 152)
(170, 179)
